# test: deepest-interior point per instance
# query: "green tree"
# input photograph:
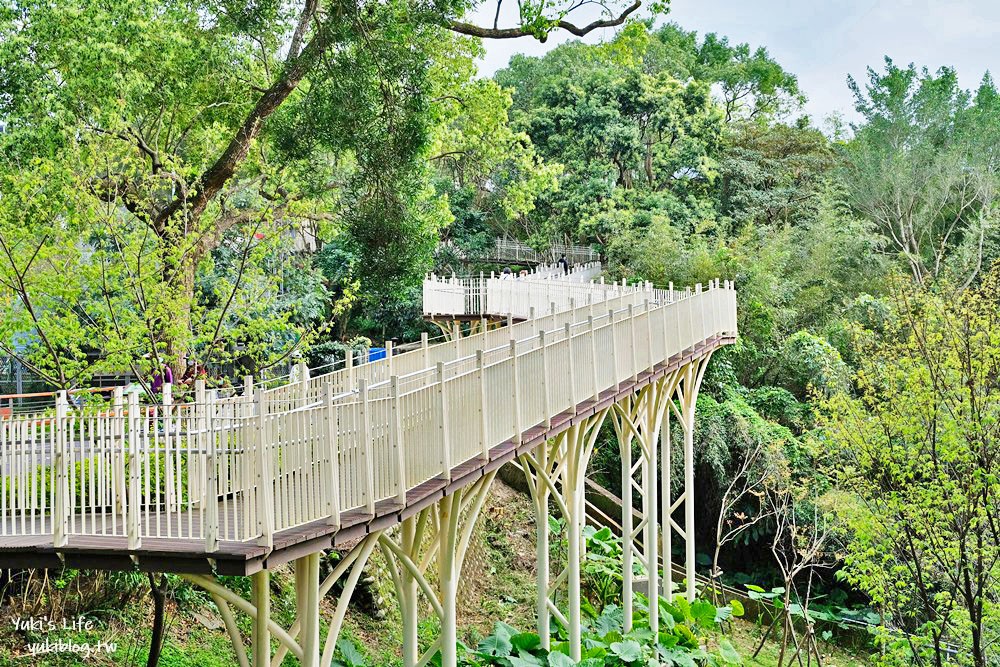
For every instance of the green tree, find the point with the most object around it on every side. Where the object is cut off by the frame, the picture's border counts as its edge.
(139, 136)
(919, 450)
(923, 167)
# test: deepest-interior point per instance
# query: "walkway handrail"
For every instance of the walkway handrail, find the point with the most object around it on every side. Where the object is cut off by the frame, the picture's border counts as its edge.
(240, 470)
(512, 251)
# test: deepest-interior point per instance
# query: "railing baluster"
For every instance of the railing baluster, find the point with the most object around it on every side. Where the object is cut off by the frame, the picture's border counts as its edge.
(516, 392)
(484, 443)
(60, 491)
(133, 500)
(443, 426)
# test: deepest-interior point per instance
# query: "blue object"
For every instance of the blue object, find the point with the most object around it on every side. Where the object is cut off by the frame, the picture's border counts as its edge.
(376, 353)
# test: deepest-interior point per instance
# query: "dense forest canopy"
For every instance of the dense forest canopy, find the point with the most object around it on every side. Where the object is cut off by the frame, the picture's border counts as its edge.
(234, 183)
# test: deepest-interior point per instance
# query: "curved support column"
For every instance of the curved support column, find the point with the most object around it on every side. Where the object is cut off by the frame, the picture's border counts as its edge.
(302, 639)
(638, 421)
(556, 472)
(687, 389)
(439, 534)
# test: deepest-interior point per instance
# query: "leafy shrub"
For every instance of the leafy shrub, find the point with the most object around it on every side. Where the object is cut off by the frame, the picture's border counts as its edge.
(808, 361)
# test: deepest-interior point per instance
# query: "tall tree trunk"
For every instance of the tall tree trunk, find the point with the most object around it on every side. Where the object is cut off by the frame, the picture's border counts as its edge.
(159, 595)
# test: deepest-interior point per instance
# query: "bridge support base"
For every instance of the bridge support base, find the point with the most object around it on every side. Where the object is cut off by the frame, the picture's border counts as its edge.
(302, 639)
(556, 471)
(439, 534)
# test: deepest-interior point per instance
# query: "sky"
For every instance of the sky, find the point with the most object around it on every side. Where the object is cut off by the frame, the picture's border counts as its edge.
(823, 42)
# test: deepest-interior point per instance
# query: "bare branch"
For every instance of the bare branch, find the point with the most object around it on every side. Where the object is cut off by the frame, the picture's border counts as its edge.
(512, 33)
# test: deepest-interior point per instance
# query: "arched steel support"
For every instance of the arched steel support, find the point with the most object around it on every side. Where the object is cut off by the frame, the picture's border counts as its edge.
(556, 472)
(688, 384)
(638, 420)
(439, 534)
(302, 639)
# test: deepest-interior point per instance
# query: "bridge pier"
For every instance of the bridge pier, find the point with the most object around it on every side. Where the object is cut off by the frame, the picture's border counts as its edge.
(638, 419)
(261, 638)
(557, 471)
(302, 639)
(439, 534)
(688, 384)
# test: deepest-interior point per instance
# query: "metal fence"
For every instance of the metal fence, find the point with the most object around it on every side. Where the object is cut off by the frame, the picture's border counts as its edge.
(246, 466)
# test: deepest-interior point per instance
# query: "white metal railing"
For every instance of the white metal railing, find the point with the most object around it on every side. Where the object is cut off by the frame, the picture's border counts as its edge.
(504, 294)
(518, 252)
(245, 467)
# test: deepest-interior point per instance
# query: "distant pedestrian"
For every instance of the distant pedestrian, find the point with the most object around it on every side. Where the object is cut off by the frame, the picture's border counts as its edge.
(564, 263)
(166, 376)
(506, 274)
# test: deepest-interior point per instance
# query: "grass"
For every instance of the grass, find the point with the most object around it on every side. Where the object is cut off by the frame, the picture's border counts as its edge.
(746, 637)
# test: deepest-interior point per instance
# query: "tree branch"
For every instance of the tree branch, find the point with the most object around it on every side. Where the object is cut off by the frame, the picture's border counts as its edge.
(216, 177)
(512, 33)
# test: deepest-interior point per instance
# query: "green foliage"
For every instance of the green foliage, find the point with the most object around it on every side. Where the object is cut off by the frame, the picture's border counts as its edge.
(606, 645)
(921, 168)
(918, 451)
(810, 362)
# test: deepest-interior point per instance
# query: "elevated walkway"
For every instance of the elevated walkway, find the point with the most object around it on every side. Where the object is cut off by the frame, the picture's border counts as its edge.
(340, 453)
(513, 252)
(396, 454)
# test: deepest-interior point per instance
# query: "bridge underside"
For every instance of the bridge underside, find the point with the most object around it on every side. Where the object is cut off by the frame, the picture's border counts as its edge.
(98, 552)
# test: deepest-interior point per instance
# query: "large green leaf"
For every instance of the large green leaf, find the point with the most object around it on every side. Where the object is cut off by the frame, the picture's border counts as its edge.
(628, 651)
(496, 645)
(729, 653)
(703, 612)
(352, 657)
(526, 641)
(561, 660)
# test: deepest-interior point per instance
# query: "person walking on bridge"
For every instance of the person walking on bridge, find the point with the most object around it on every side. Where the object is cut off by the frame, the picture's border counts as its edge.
(564, 263)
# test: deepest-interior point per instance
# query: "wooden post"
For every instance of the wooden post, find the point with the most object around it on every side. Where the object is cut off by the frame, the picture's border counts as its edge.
(388, 357)
(425, 349)
(349, 366)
